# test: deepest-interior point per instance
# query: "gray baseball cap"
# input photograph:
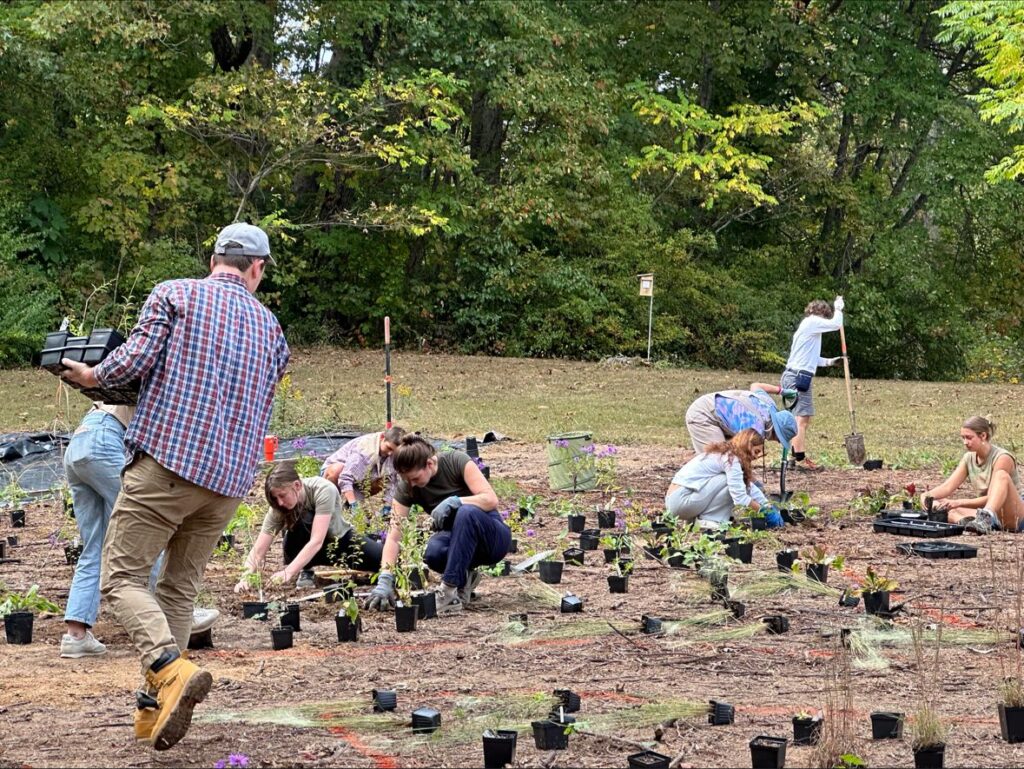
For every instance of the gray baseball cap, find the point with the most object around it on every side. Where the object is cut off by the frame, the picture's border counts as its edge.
(245, 240)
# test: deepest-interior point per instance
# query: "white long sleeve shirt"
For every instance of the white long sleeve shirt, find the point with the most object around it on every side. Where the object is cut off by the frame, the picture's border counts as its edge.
(695, 474)
(805, 351)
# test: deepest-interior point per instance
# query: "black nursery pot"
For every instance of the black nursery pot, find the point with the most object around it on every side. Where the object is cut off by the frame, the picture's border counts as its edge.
(569, 700)
(547, 735)
(785, 559)
(611, 554)
(384, 700)
(426, 603)
(550, 572)
(737, 608)
(281, 637)
(741, 551)
(618, 584)
(405, 618)
(426, 720)
(3, 548)
(506, 568)
(606, 519)
(768, 752)
(876, 603)
(202, 640)
(626, 565)
(932, 757)
(18, 519)
(18, 627)
(576, 523)
(589, 539)
(226, 540)
(806, 731)
(72, 553)
(777, 624)
(290, 617)
(336, 594)
(1011, 723)
(12, 540)
(676, 561)
(886, 726)
(648, 759)
(818, 572)
(348, 631)
(573, 555)
(571, 604)
(513, 547)
(650, 625)
(720, 713)
(758, 523)
(499, 748)
(415, 579)
(254, 610)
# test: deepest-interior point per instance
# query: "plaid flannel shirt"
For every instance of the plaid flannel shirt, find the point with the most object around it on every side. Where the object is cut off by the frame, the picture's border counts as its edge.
(209, 356)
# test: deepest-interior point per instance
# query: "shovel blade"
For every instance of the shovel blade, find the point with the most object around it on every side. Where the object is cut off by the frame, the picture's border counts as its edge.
(855, 449)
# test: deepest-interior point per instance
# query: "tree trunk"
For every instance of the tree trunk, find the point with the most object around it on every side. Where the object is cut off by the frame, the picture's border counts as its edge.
(487, 136)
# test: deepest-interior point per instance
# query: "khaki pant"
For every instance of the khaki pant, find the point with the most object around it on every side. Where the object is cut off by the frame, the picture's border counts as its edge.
(159, 510)
(702, 423)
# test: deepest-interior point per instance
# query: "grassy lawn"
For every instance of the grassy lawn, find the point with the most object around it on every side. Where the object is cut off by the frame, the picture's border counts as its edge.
(910, 424)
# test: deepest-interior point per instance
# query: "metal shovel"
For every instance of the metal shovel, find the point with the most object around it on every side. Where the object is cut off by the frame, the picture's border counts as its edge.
(854, 441)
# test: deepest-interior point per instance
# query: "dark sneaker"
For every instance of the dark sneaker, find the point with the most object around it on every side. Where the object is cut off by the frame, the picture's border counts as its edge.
(307, 579)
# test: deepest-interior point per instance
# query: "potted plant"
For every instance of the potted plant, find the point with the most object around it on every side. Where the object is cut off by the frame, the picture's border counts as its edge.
(281, 637)
(816, 562)
(617, 581)
(13, 495)
(18, 613)
(929, 738)
(526, 506)
(886, 725)
(798, 508)
(607, 515)
(875, 591)
(739, 543)
(716, 571)
(785, 559)
(499, 747)
(348, 622)
(549, 735)
(806, 728)
(648, 759)
(550, 571)
(254, 609)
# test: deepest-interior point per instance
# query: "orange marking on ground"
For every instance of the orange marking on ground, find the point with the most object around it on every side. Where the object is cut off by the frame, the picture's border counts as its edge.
(824, 654)
(380, 760)
(946, 618)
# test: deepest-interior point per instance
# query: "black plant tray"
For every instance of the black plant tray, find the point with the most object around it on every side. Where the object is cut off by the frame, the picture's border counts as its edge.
(937, 549)
(904, 515)
(911, 528)
(92, 350)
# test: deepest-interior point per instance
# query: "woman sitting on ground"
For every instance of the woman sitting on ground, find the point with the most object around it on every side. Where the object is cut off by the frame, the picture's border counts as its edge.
(464, 511)
(712, 484)
(992, 472)
(315, 534)
(363, 466)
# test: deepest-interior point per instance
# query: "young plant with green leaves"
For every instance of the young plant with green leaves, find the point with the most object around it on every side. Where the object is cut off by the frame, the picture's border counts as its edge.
(819, 556)
(30, 600)
(877, 583)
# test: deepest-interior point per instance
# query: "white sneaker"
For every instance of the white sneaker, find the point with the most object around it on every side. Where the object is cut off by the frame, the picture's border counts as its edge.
(447, 599)
(473, 580)
(203, 619)
(87, 646)
(984, 522)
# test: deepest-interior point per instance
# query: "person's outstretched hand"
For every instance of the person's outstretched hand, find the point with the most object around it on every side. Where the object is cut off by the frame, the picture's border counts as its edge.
(382, 597)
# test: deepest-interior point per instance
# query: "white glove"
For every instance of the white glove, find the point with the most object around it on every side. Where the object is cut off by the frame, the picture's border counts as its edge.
(839, 304)
(833, 361)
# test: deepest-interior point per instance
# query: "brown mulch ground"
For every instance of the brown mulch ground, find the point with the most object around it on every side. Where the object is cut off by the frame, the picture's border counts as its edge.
(283, 708)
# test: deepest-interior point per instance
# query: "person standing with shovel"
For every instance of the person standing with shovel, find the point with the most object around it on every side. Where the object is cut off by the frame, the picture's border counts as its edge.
(802, 364)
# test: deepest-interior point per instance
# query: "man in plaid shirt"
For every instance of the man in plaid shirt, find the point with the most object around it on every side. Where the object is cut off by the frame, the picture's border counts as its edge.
(209, 357)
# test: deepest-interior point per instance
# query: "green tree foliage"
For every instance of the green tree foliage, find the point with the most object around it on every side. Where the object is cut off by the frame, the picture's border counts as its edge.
(494, 175)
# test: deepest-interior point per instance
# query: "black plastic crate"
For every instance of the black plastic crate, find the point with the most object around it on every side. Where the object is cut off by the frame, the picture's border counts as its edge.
(912, 528)
(938, 549)
(904, 515)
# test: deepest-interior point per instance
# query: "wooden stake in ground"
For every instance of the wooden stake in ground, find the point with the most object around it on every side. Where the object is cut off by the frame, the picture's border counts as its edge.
(854, 441)
(387, 372)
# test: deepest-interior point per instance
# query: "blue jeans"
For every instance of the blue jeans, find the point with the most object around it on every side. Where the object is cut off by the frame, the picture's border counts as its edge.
(93, 463)
(477, 538)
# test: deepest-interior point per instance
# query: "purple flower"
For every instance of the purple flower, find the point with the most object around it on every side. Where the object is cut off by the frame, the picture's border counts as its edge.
(384, 535)
(530, 533)
(298, 443)
(238, 759)
(479, 462)
(588, 449)
(504, 514)
(561, 443)
(220, 764)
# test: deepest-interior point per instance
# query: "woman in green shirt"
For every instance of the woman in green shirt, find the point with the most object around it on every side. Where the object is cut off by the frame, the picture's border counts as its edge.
(308, 510)
(992, 472)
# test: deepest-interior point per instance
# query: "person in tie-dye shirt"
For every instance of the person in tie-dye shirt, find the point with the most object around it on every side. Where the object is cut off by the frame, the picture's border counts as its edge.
(363, 466)
(716, 417)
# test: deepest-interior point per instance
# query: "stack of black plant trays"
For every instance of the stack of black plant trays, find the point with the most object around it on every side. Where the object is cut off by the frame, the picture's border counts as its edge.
(91, 350)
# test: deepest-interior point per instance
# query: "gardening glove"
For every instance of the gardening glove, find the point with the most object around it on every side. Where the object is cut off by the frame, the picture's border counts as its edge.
(440, 513)
(382, 597)
(386, 511)
(839, 304)
(772, 517)
(833, 361)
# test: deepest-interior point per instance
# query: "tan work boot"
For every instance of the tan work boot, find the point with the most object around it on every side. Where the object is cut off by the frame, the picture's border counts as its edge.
(180, 685)
(145, 715)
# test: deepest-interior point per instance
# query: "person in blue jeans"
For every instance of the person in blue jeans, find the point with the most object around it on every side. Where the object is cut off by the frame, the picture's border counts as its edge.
(92, 463)
(464, 511)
